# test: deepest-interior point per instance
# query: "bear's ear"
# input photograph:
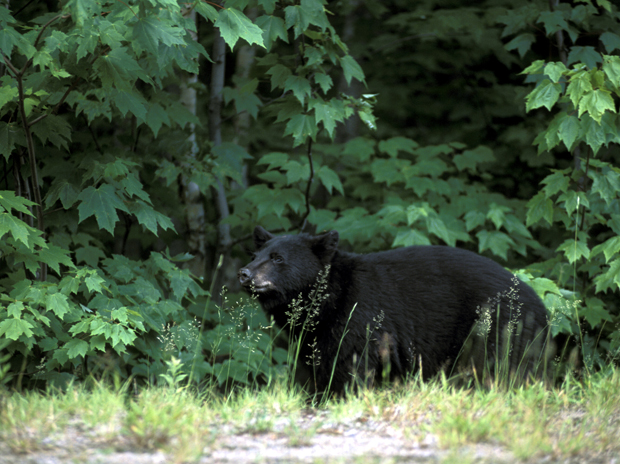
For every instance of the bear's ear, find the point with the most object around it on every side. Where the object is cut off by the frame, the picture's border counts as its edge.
(325, 245)
(261, 236)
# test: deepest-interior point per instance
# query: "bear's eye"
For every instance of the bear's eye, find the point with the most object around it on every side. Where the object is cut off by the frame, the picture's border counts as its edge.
(277, 259)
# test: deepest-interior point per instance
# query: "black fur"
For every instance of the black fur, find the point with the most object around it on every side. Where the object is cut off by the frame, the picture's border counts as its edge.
(415, 307)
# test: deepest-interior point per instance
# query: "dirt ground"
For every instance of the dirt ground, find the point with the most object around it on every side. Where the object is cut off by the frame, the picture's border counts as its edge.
(308, 439)
(302, 441)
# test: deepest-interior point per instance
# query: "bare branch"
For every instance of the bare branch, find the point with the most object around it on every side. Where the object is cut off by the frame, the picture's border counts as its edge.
(10, 65)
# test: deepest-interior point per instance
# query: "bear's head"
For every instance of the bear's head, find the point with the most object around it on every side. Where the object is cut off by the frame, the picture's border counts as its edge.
(285, 266)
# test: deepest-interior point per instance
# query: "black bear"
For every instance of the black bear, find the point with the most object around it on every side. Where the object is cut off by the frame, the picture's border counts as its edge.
(420, 308)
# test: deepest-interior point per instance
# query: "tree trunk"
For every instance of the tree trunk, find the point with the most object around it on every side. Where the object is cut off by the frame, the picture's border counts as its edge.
(190, 192)
(222, 266)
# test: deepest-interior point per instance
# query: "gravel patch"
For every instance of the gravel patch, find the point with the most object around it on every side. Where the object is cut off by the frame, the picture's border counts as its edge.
(309, 439)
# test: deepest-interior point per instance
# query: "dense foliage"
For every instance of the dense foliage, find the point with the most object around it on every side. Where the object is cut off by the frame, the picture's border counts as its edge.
(128, 148)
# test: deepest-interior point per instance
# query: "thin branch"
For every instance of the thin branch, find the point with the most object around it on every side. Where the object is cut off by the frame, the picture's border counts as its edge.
(22, 8)
(10, 66)
(55, 18)
(121, 1)
(36, 42)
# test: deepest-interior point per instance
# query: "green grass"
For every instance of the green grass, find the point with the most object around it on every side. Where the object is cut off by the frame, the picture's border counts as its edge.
(579, 419)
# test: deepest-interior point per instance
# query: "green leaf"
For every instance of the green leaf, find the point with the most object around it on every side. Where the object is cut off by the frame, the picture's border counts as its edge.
(90, 255)
(471, 158)
(361, 148)
(594, 312)
(542, 285)
(586, 55)
(302, 16)
(8, 94)
(181, 115)
(268, 5)
(579, 84)
(150, 31)
(111, 33)
(57, 303)
(556, 182)
(553, 21)
(76, 348)
(295, 172)
(474, 219)
(410, 237)
(610, 248)
(55, 129)
(351, 69)
(48, 344)
(101, 202)
(94, 282)
(7, 139)
(274, 160)
(82, 10)
(15, 309)
(535, 68)
(300, 86)
(569, 131)
(522, 43)
(539, 207)
(9, 201)
(234, 25)
(63, 190)
(608, 279)
(572, 200)
(180, 281)
(206, 11)
(18, 229)
(497, 215)
(98, 342)
(54, 256)
(610, 40)
(14, 328)
(130, 101)
(596, 103)
(118, 69)
(329, 179)
(9, 37)
(149, 218)
(329, 113)
(88, 43)
(395, 144)
(301, 127)
(498, 242)
(595, 135)
(279, 74)
(156, 117)
(273, 29)
(607, 185)
(574, 249)
(436, 226)
(611, 67)
(324, 81)
(545, 94)
(555, 71)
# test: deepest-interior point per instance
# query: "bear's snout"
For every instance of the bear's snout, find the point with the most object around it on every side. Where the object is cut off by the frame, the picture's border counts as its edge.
(245, 276)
